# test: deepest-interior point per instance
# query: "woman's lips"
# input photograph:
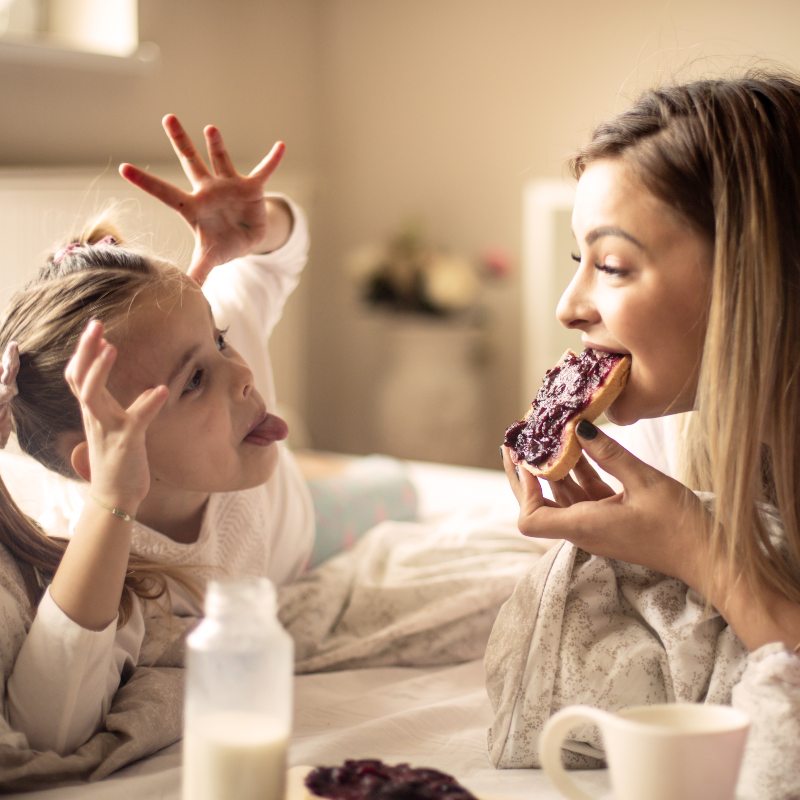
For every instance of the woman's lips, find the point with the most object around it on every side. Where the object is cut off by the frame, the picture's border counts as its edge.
(268, 429)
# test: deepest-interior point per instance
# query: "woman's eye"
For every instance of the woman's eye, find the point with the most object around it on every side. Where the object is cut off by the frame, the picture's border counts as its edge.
(222, 342)
(609, 270)
(576, 257)
(194, 383)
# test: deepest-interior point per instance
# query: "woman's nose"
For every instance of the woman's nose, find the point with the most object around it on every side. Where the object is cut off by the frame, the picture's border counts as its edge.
(575, 308)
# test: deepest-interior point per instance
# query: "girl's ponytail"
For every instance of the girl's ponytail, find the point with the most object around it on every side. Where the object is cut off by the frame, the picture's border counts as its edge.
(38, 555)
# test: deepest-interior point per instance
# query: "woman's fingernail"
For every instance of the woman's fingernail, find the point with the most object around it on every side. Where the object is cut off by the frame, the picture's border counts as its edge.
(502, 457)
(586, 430)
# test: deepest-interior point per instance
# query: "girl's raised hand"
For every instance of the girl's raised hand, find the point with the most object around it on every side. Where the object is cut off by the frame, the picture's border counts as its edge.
(225, 209)
(654, 521)
(115, 437)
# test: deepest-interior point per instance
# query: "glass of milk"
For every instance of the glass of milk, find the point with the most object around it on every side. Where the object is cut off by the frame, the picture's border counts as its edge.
(238, 707)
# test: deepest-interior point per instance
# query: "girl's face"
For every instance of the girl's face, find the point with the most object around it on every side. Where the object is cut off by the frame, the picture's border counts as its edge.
(214, 433)
(642, 287)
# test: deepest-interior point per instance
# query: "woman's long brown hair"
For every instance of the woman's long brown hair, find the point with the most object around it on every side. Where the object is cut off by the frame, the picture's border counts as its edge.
(723, 154)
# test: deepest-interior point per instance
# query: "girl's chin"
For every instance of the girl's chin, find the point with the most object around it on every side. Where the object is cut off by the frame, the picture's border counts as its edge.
(267, 462)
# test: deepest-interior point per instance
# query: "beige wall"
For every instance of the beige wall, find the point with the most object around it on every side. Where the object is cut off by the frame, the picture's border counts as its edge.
(439, 108)
(247, 66)
(446, 107)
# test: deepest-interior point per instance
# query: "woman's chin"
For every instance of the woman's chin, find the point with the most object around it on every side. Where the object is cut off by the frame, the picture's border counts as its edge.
(620, 413)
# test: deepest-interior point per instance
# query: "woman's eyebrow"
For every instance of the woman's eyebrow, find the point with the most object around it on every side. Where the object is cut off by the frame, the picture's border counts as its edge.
(612, 230)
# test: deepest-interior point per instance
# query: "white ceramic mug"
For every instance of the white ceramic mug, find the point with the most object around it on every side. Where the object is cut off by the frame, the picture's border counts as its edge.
(673, 751)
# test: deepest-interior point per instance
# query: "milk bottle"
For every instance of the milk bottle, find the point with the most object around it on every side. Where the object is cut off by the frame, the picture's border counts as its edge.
(237, 716)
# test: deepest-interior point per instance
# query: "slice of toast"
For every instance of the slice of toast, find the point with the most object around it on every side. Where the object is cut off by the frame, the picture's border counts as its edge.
(578, 387)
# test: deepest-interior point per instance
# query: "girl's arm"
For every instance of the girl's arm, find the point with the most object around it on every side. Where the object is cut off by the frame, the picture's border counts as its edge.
(74, 631)
(87, 585)
(654, 521)
(64, 677)
(225, 209)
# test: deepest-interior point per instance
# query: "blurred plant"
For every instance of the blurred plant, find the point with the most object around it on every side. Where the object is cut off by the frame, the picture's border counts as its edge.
(409, 274)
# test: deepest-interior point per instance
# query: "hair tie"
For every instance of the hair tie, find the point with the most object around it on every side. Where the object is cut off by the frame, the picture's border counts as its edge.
(8, 389)
(64, 252)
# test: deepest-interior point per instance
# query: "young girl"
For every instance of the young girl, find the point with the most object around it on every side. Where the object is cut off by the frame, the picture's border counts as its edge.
(173, 429)
(687, 226)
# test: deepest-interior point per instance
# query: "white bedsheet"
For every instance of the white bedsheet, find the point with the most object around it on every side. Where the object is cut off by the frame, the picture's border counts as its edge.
(434, 717)
(427, 717)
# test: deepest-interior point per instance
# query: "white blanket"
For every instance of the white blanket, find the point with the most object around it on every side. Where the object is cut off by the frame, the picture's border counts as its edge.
(432, 716)
(407, 594)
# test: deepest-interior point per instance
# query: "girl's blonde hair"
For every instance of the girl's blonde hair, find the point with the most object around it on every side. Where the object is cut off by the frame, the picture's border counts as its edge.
(724, 154)
(91, 277)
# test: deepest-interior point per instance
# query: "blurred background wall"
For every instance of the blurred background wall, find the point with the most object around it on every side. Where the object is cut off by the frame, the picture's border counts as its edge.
(439, 111)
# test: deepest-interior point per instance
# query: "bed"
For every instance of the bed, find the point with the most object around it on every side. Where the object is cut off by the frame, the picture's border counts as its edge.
(433, 716)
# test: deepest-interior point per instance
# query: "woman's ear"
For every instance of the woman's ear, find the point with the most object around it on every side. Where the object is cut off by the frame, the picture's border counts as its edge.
(79, 458)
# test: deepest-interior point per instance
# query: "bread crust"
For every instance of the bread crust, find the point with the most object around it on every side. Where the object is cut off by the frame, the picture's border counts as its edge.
(558, 467)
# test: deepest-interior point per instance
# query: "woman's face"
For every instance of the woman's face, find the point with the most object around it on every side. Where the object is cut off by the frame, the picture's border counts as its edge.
(641, 287)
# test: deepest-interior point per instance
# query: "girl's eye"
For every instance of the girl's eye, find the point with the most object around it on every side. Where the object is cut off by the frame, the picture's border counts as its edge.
(222, 342)
(194, 383)
(576, 257)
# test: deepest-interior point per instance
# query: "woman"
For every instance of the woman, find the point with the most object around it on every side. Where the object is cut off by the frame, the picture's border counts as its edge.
(686, 220)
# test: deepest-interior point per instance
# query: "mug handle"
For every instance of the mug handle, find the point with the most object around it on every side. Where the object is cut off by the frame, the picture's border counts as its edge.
(553, 735)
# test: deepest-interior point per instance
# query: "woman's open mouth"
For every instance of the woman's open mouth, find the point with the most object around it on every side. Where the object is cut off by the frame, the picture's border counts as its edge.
(268, 428)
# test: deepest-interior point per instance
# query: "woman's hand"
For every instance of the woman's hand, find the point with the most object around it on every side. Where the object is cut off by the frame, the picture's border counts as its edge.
(654, 521)
(115, 437)
(225, 210)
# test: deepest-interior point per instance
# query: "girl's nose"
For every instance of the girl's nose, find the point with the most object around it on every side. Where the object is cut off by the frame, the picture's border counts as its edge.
(575, 308)
(243, 379)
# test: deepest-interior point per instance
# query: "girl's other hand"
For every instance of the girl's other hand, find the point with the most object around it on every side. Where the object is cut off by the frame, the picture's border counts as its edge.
(225, 209)
(114, 457)
(654, 521)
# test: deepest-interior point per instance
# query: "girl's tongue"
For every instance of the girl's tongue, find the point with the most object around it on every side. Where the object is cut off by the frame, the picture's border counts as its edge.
(270, 429)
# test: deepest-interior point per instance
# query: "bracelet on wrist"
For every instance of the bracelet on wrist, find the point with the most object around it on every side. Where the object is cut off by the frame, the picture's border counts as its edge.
(114, 510)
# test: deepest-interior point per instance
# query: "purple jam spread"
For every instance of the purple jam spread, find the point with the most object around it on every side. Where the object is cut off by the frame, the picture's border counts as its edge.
(370, 779)
(567, 389)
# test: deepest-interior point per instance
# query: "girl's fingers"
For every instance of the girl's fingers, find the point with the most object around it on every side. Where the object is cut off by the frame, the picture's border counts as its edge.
(201, 266)
(167, 193)
(144, 409)
(269, 163)
(92, 390)
(217, 153)
(86, 352)
(184, 148)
